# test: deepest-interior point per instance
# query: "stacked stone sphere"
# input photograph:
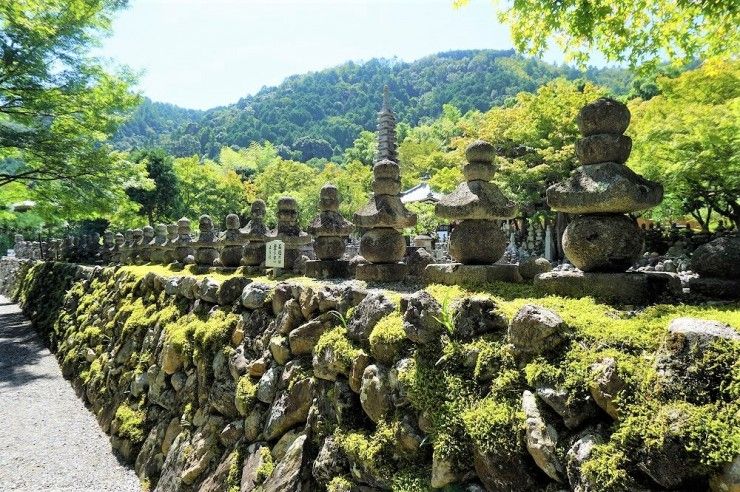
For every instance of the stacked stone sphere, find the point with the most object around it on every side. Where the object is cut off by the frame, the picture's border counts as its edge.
(601, 238)
(477, 203)
(184, 250)
(329, 229)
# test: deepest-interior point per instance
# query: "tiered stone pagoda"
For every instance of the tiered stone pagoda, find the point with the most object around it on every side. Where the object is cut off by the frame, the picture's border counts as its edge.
(205, 247)
(184, 250)
(231, 244)
(384, 217)
(330, 231)
(477, 241)
(157, 245)
(255, 233)
(289, 231)
(601, 240)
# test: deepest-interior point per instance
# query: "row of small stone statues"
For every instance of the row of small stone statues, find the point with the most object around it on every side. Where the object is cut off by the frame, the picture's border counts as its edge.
(175, 243)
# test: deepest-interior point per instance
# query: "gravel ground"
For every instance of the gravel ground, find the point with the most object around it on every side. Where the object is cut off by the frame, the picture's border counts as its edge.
(48, 439)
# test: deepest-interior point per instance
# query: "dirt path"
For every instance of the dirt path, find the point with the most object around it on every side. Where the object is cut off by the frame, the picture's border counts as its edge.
(48, 439)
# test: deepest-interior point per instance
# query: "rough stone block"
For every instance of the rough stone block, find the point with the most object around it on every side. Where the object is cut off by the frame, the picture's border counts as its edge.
(470, 275)
(323, 269)
(618, 288)
(715, 288)
(381, 272)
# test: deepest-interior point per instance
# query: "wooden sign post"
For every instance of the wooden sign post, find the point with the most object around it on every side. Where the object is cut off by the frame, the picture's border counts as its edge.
(275, 256)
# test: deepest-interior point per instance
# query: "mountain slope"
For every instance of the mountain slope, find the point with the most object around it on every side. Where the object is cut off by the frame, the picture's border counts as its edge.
(320, 113)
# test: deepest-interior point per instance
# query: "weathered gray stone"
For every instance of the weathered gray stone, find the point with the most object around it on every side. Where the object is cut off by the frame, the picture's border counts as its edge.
(606, 386)
(542, 438)
(255, 295)
(470, 275)
(579, 453)
(421, 319)
(602, 243)
(303, 338)
(603, 147)
(289, 409)
(231, 289)
(535, 331)
(605, 115)
(574, 412)
(372, 309)
(635, 288)
(607, 187)
(475, 316)
(330, 462)
(382, 245)
(718, 258)
(533, 266)
(375, 392)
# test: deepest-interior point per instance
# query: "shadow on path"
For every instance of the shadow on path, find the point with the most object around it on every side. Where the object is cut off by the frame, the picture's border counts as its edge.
(20, 348)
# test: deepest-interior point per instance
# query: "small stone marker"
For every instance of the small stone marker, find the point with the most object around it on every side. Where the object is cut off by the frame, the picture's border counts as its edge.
(275, 254)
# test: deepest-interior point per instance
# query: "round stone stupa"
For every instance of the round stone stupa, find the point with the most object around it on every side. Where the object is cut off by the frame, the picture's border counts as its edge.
(289, 231)
(157, 245)
(330, 231)
(255, 233)
(205, 247)
(477, 204)
(601, 238)
(184, 251)
(231, 243)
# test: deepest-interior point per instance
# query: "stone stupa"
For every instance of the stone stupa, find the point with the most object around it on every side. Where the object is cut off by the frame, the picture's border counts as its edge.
(289, 232)
(205, 246)
(231, 244)
(384, 217)
(602, 241)
(477, 242)
(330, 231)
(157, 245)
(255, 235)
(184, 250)
(168, 248)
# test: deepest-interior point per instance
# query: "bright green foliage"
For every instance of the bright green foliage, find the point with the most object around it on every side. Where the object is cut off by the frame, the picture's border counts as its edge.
(339, 484)
(159, 203)
(630, 30)
(130, 423)
(374, 451)
(494, 427)
(687, 138)
(59, 106)
(388, 331)
(202, 333)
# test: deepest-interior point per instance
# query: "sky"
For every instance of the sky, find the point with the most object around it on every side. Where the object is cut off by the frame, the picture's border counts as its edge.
(205, 53)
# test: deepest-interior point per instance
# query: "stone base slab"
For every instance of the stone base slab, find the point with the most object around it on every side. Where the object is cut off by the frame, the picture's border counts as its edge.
(381, 272)
(327, 269)
(470, 275)
(638, 288)
(715, 288)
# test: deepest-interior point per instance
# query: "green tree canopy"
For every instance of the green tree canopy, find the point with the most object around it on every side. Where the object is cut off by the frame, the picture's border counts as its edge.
(58, 105)
(625, 30)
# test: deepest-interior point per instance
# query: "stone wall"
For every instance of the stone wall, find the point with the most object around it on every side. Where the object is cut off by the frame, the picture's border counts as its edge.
(239, 385)
(11, 270)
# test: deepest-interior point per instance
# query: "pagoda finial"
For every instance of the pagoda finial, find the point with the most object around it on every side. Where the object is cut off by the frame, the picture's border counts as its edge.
(386, 131)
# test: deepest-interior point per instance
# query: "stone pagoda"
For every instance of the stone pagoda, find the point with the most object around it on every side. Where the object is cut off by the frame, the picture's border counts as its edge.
(289, 231)
(477, 241)
(205, 247)
(384, 217)
(231, 243)
(127, 247)
(330, 231)
(184, 250)
(157, 245)
(602, 240)
(255, 235)
(137, 246)
(145, 252)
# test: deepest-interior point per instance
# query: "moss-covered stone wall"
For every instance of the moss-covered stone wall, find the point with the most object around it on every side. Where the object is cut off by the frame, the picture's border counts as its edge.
(240, 384)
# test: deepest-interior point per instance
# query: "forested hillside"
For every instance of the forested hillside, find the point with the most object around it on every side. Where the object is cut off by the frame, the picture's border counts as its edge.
(320, 114)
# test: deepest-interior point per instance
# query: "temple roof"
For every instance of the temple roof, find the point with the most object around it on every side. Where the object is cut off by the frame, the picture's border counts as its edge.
(420, 193)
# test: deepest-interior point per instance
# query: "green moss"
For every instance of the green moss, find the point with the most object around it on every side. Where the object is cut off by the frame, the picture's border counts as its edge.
(387, 335)
(266, 467)
(412, 479)
(374, 452)
(336, 341)
(495, 427)
(246, 394)
(606, 467)
(130, 423)
(339, 484)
